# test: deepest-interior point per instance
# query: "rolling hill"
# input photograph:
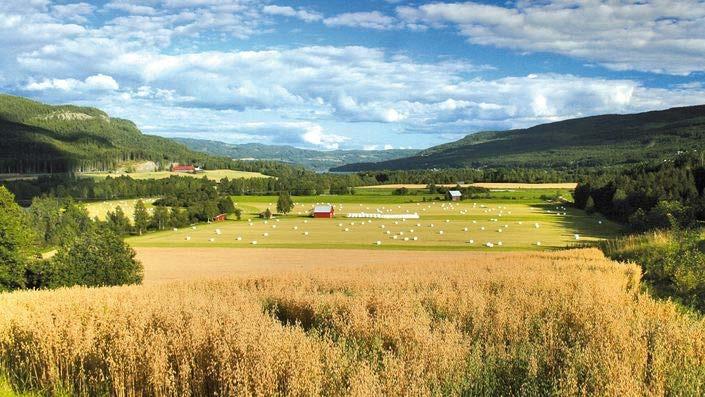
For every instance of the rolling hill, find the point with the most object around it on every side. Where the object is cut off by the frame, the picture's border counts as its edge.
(41, 138)
(314, 159)
(597, 141)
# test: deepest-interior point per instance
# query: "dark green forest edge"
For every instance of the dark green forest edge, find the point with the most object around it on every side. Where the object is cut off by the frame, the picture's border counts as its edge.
(646, 171)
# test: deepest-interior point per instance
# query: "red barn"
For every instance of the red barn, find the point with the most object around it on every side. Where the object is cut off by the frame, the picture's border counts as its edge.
(182, 168)
(219, 218)
(323, 211)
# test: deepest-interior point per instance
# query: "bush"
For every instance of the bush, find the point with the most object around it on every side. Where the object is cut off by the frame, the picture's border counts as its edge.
(673, 263)
(98, 258)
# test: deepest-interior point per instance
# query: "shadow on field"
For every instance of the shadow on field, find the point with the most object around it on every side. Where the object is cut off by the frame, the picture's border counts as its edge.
(578, 221)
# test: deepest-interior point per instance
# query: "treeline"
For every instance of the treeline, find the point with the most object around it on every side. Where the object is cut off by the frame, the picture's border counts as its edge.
(88, 252)
(649, 196)
(471, 175)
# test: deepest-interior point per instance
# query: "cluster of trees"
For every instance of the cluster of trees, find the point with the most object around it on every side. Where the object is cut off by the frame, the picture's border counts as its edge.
(646, 196)
(87, 252)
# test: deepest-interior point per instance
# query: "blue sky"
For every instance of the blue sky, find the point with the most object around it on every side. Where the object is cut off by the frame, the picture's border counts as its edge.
(353, 74)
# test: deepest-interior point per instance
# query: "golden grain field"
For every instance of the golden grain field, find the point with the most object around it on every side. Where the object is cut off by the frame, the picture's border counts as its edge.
(563, 323)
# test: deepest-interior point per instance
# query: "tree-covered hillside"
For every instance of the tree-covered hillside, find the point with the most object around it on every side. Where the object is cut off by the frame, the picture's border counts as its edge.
(598, 141)
(40, 138)
(314, 159)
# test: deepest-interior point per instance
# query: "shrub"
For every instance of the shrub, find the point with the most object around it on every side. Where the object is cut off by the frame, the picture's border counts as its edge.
(98, 258)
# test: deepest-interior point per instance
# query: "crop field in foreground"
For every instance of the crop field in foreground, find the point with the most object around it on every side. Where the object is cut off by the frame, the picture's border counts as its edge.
(527, 224)
(215, 175)
(562, 323)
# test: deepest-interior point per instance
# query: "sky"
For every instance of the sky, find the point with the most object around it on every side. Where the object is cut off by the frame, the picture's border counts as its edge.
(335, 74)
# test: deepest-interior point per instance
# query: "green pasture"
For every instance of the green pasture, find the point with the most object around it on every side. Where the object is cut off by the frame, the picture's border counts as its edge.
(509, 223)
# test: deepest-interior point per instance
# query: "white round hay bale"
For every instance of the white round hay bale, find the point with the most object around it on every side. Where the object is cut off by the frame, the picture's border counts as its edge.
(238, 238)
(175, 229)
(296, 228)
(254, 242)
(188, 238)
(305, 233)
(211, 239)
(465, 229)
(499, 243)
(471, 241)
(347, 230)
(265, 234)
(440, 232)
(489, 245)
(378, 242)
(415, 238)
(538, 243)
(406, 239)
(576, 236)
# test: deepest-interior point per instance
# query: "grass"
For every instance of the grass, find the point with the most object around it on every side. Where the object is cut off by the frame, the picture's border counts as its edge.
(100, 209)
(210, 174)
(515, 217)
(565, 323)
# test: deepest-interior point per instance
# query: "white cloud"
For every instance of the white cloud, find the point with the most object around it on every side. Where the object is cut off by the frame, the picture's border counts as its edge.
(368, 20)
(304, 15)
(97, 82)
(619, 35)
(131, 7)
(74, 12)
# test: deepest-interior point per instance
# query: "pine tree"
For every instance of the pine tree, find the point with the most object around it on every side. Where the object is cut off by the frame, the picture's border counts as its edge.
(141, 217)
(284, 203)
(160, 220)
(118, 222)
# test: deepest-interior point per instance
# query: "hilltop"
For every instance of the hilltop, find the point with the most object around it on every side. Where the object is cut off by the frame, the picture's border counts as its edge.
(318, 160)
(597, 141)
(41, 138)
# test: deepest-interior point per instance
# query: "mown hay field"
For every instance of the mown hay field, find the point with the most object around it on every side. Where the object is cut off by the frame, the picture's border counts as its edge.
(215, 175)
(564, 323)
(467, 225)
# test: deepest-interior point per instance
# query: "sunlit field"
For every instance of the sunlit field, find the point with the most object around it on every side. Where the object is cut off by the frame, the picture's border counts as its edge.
(487, 224)
(100, 209)
(215, 175)
(566, 323)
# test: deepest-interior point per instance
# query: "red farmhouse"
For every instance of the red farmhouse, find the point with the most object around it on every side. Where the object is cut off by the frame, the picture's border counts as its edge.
(182, 168)
(323, 211)
(219, 218)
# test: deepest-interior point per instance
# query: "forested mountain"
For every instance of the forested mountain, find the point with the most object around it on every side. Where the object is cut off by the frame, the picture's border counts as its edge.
(314, 159)
(597, 141)
(40, 138)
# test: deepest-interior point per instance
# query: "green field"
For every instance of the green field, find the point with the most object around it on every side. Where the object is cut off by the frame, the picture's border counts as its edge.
(442, 225)
(210, 174)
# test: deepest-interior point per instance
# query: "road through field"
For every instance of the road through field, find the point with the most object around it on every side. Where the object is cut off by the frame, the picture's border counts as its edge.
(170, 264)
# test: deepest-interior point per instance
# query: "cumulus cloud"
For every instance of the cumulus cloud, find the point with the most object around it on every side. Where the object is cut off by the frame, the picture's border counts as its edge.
(75, 12)
(619, 35)
(99, 82)
(304, 15)
(368, 20)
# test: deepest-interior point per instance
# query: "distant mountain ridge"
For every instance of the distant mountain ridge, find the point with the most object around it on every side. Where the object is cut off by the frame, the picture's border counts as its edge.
(596, 141)
(315, 159)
